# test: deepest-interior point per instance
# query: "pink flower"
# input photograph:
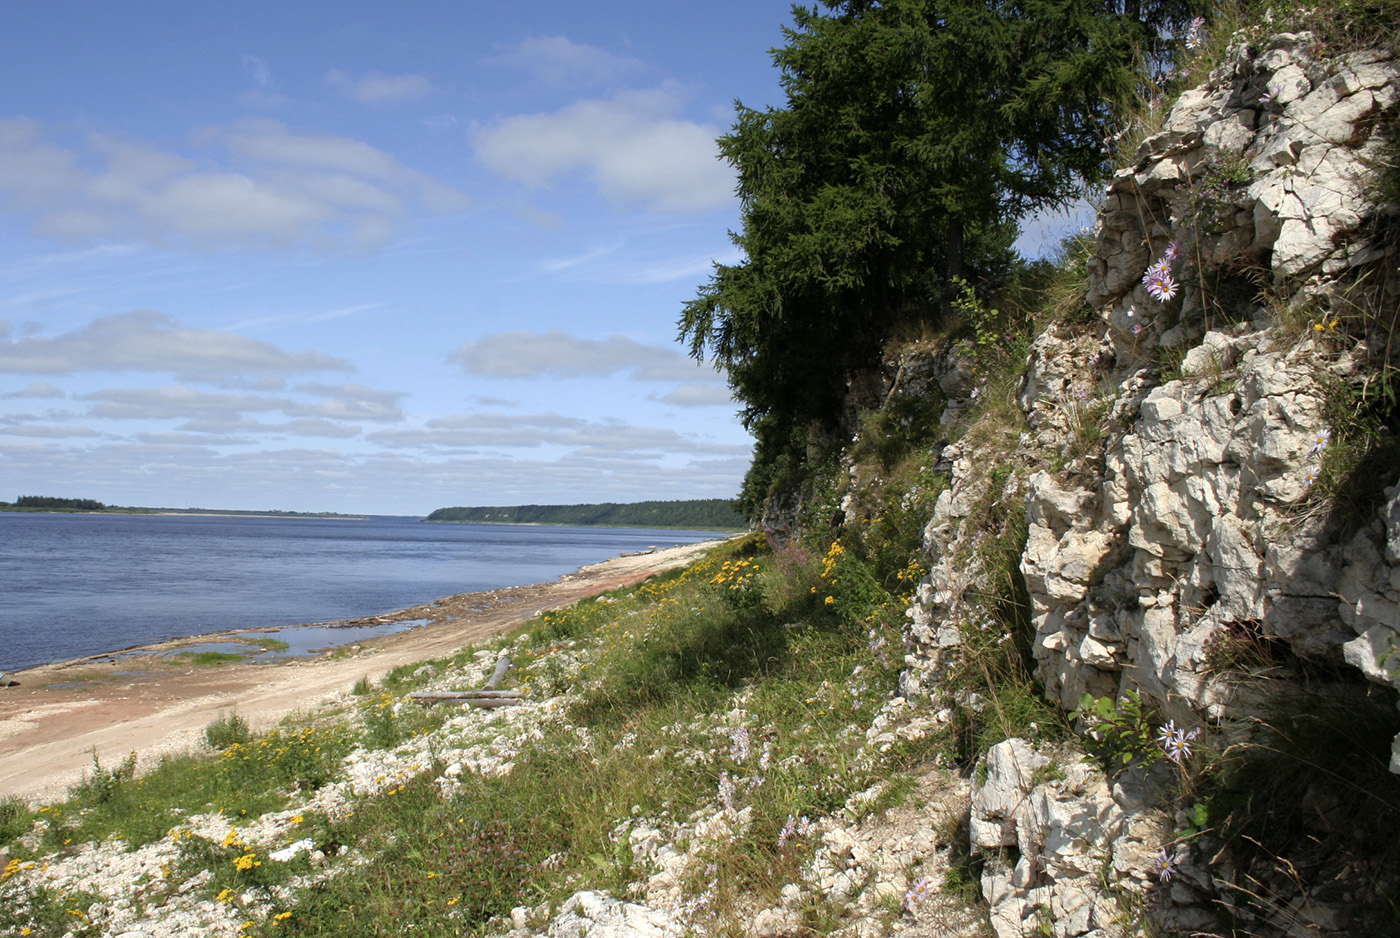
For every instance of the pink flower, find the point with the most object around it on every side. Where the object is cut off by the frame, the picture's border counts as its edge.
(1162, 286)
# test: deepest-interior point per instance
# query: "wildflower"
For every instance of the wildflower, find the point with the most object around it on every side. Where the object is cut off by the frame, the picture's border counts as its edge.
(787, 832)
(1161, 286)
(1137, 328)
(1320, 441)
(1166, 866)
(739, 748)
(916, 893)
(1196, 35)
(1172, 252)
(1177, 743)
(726, 791)
(1311, 475)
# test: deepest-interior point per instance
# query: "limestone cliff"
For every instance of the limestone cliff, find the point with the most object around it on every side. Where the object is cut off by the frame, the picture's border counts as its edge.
(1191, 525)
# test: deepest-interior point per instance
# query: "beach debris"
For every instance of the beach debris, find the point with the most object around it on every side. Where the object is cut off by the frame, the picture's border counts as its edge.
(488, 698)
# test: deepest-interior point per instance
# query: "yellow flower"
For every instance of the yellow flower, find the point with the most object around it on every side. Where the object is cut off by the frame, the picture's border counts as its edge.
(281, 916)
(224, 895)
(298, 819)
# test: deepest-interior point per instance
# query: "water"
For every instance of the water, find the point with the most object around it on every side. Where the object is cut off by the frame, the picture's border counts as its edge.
(73, 585)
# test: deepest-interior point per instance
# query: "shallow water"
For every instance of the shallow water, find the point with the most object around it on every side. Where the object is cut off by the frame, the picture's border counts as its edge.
(73, 585)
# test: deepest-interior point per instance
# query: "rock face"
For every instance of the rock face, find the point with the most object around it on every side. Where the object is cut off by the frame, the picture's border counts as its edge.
(1174, 535)
(1262, 166)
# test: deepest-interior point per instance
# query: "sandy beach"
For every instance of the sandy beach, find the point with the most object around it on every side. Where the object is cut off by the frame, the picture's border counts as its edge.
(56, 716)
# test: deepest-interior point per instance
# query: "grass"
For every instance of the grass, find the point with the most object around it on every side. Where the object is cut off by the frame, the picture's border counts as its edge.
(227, 731)
(667, 677)
(208, 658)
(722, 703)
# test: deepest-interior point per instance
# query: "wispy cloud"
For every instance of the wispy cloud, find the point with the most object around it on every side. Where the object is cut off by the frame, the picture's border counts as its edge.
(264, 94)
(273, 186)
(558, 354)
(147, 340)
(698, 395)
(40, 389)
(633, 147)
(615, 438)
(378, 88)
(560, 62)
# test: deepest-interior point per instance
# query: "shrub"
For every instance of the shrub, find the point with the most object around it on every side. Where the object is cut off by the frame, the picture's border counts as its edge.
(227, 730)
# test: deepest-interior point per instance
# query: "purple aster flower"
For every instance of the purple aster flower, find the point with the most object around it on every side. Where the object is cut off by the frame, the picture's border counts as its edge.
(1165, 866)
(1196, 34)
(1173, 251)
(916, 893)
(1178, 744)
(1270, 96)
(1320, 442)
(1162, 287)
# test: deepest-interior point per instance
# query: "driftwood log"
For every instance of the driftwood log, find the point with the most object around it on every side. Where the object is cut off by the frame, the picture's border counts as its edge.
(488, 698)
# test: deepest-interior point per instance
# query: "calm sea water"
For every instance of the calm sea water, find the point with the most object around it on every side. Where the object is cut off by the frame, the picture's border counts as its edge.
(74, 585)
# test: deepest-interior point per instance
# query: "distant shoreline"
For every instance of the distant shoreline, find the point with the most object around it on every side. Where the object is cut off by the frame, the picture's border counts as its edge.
(584, 524)
(192, 512)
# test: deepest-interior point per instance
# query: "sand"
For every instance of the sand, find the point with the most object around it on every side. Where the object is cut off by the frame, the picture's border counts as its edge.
(58, 716)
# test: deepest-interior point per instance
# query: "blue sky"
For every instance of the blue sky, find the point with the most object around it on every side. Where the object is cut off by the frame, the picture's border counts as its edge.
(367, 256)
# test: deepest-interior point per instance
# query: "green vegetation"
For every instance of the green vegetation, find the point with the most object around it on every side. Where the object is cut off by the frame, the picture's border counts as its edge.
(727, 704)
(697, 514)
(915, 136)
(49, 503)
(227, 730)
(45, 503)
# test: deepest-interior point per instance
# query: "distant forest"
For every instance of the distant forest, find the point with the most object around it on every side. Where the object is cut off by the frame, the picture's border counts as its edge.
(49, 503)
(52, 503)
(716, 513)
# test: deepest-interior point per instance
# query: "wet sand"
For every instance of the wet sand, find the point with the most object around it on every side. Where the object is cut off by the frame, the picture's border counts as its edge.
(144, 701)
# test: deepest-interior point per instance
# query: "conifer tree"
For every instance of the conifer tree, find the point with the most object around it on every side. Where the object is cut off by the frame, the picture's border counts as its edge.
(916, 134)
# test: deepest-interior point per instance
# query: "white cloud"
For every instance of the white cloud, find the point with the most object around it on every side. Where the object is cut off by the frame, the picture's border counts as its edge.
(354, 392)
(271, 186)
(175, 402)
(224, 412)
(48, 432)
(612, 438)
(556, 353)
(378, 88)
(146, 340)
(37, 389)
(561, 62)
(632, 146)
(698, 395)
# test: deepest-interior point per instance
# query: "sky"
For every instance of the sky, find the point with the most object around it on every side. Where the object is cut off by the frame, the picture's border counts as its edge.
(367, 257)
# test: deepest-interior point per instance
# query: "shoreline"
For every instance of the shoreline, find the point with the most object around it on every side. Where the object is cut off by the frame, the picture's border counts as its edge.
(61, 716)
